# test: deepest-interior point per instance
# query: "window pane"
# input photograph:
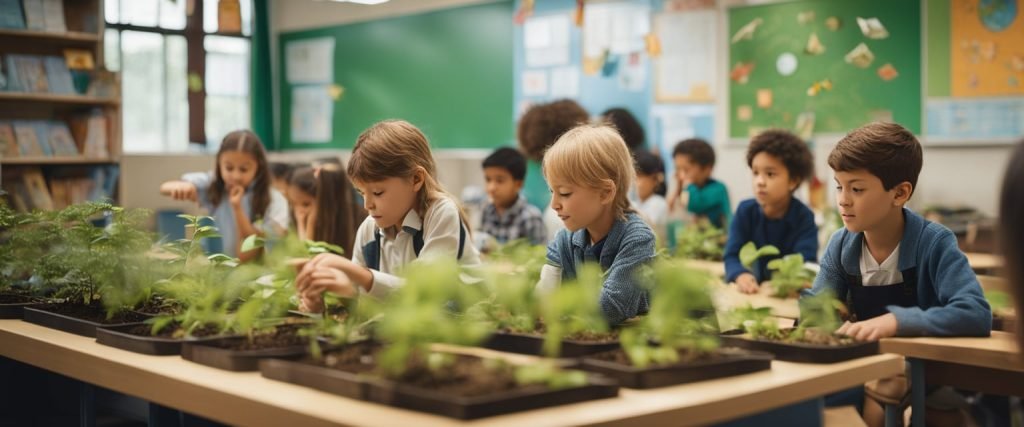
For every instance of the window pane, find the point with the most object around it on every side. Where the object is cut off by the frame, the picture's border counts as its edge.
(143, 81)
(224, 114)
(112, 50)
(139, 12)
(177, 94)
(246, 17)
(210, 16)
(172, 14)
(111, 11)
(227, 66)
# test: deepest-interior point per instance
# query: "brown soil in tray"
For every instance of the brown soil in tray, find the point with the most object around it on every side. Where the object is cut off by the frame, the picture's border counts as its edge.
(812, 337)
(173, 330)
(281, 336)
(583, 336)
(94, 313)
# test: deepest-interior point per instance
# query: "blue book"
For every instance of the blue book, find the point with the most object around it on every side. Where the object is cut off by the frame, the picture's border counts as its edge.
(35, 16)
(11, 15)
(58, 75)
(43, 136)
(60, 139)
(13, 79)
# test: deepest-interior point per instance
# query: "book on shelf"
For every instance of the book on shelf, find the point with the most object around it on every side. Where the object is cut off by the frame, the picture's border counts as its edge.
(11, 74)
(60, 139)
(53, 16)
(58, 75)
(28, 140)
(90, 134)
(29, 72)
(79, 59)
(35, 15)
(8, 143)
(27, 190)
(11, 15)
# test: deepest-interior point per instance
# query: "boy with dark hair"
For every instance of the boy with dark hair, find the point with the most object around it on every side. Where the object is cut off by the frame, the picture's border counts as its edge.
(703, 196)
(899, 273)
(780, 163)
(508, 216)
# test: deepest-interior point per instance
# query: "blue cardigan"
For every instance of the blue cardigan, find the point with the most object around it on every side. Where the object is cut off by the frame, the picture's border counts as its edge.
(795, 232)
(628, 246)
(949, 299)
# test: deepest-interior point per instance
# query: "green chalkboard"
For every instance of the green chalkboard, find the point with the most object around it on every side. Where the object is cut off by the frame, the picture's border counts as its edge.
(858, 95)
(448, 72)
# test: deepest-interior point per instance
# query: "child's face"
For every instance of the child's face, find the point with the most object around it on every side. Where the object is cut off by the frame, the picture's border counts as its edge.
(863, 201)
(688, 170)
(645, 184)
(388, 201)
(772, 184)
(501, 187)
(578, 207)
(301, 202)
(237, 168)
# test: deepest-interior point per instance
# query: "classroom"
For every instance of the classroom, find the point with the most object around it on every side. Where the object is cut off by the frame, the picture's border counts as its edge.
(511, 212)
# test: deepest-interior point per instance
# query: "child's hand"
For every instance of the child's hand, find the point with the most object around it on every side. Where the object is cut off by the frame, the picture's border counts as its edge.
(235, 194)
(311, 303)
(747, 283)
(325, 279)
(883, 326)
(180, 190)
(324, 260)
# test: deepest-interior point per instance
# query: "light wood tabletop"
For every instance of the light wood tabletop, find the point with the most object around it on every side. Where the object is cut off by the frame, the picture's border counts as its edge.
(728, 296)
(984, 262)
(249, 399)
(998, 351)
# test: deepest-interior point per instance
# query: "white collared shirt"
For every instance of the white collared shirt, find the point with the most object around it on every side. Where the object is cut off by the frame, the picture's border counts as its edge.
(440, 238)
(874, 274)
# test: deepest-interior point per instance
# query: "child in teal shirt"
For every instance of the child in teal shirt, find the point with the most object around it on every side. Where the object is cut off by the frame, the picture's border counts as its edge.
(703, 196)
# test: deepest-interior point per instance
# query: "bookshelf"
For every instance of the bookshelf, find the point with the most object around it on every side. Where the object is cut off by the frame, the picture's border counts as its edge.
(61, 137)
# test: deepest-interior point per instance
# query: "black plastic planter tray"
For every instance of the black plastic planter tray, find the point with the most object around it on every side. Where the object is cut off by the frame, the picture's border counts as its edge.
(210, 353)
(521, 399)
(727, 364)
(14, 310)
(74, 325)
(803, 353)
(118, 337)
(341, 383)
(531, 344)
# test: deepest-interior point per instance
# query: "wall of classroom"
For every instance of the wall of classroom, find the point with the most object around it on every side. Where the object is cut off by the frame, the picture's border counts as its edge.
(941, 182)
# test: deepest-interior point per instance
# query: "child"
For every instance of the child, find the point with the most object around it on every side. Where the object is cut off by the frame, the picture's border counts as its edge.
(590, 172)
(1011, 210)
(280, 172)
(508, 216)
(780, 162)
(237, 193)
(322, 207)
(627, 125)
(650, 189)
(899, 273)
(411, 216)
(539, 127)
(703, 196)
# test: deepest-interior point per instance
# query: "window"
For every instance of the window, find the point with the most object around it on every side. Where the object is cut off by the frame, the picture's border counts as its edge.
(183, 80)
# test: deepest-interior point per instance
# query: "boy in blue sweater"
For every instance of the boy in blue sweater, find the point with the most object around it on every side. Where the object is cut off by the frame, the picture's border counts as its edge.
(780, 162)
(899, 274)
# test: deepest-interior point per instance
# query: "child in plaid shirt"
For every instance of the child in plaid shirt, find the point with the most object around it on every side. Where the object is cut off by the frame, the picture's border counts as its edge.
(508, 216)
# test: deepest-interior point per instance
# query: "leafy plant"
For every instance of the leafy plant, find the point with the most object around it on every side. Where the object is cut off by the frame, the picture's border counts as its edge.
(789, 275)
(700, 240)
(820, 316)
(750, 253)
(573, 308)
(682, 317)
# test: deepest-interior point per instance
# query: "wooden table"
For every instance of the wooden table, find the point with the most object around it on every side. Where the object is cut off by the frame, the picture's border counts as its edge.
(249, 399)
(992, 365)
(728, 296)
(716, 268)
(984, 263)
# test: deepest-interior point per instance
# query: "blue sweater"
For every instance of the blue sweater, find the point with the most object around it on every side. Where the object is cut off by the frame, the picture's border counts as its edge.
(949, 298)
(628, 246)
(795, 232)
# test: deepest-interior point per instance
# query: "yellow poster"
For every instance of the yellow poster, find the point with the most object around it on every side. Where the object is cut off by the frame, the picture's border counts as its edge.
(987, 44)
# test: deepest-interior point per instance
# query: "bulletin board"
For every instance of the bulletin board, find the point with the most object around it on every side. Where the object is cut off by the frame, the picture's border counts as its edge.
(822, 92)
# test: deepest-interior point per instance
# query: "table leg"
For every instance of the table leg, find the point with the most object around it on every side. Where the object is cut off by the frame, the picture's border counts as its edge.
(917, 392)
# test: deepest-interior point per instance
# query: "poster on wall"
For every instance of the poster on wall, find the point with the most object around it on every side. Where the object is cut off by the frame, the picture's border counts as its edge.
(310, 61)
(686, 69)
(312, 113)
(546, 40)
(986, 48)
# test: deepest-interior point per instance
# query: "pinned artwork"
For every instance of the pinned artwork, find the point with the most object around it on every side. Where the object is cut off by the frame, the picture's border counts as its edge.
(860, 56)
(653, 45)
(1017, 63)
(872, 28)
(819, 87)
(887, 72)
(814, 46)
(833, 23)
(804, 125)
(335, 91)
(744, 113)
(741, 72)
(786, 64)
(747, 31)
(764, 98)
(805, 17)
